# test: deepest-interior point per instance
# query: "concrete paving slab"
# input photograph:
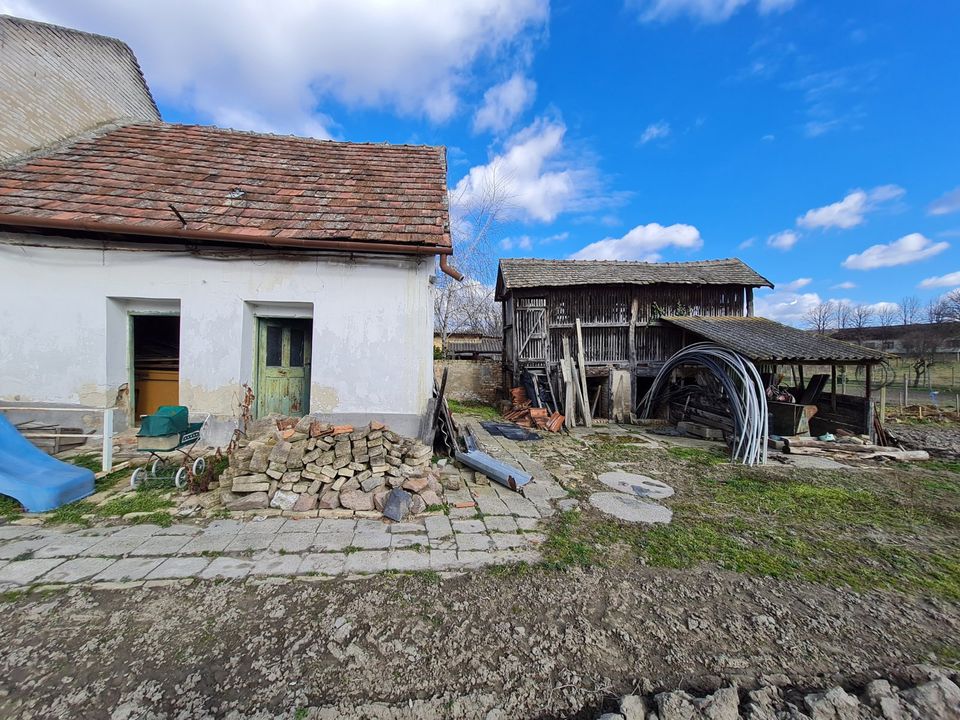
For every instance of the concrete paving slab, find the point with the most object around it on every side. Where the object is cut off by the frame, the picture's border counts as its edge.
(438, 527)
(11, 550)
(507, 557)
(96, 532)
(468, 526)
(527, 523)
(471, 559)
(67, 546)
(500, 523)
(77, 569)
(409, 541)
(162, 545)
(444, 543)
(408, 561)
(179, 567)
(443, 560)
(462, 513)
(291, 542)
(371, 525)
(506, 541)
(630, 508)
(8, 532)
(304, 525)
(112, 547)
(128, 569)
(492, 506)
(322, 564)
(180, 530)
(474, 542)
(519, 505)
(23, 572)
(223, 527)
(263, 525)
(332, 541)
(144, 530)
(274, 564)
(634, 484)
(336, 525)
(406, 527)
(250, 541)
(366, 561)
(227, 567)
(207, 543)
(367, 540)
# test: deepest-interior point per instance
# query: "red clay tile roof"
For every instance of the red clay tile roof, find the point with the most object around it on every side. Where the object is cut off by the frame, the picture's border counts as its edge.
(243, 186)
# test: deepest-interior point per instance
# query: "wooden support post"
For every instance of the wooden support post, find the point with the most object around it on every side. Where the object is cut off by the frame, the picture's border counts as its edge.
(833, 387)
(867, 393)
(803, 385)
(581, 359)
(569, 408)
(749, 302)
(632, 351)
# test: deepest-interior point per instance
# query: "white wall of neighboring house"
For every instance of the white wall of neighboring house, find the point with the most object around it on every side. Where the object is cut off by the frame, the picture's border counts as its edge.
(64, 326)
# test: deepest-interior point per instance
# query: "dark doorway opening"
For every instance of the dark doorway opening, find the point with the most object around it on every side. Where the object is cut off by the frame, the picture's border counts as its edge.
(156, 362)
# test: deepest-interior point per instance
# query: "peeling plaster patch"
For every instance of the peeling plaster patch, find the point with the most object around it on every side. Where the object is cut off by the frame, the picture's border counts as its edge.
(323, 399)
(222, 401)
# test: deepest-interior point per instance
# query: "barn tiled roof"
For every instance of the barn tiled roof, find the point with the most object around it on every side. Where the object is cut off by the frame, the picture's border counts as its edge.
(764, 340)
(528, 273)
(248, 186)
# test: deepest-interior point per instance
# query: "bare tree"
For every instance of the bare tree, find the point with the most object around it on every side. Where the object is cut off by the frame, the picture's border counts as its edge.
(860, 318)
(842, 311)
(468, 306)
(908, 309)
(820, 317)
(937, 310)
(951, 303)
(887, 314)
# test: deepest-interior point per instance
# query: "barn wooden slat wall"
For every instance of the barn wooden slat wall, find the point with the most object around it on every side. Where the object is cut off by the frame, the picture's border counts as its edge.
(605, 315)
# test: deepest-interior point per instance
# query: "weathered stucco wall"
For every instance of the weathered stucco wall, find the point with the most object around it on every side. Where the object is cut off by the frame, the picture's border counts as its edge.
(64, 334)
(56, 83)
(471, 380)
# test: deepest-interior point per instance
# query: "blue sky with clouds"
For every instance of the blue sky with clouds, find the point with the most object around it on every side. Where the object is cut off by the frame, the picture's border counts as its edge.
(818, 141)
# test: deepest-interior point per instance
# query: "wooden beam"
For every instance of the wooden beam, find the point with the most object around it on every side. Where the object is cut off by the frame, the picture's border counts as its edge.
(833, 387)
(749, 302)
(581, 358)
(570, 411)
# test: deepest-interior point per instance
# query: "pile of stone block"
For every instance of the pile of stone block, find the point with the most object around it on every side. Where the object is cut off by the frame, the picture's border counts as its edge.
(302, 464)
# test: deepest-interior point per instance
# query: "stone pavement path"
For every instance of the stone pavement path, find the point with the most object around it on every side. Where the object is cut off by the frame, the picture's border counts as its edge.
(504, 530)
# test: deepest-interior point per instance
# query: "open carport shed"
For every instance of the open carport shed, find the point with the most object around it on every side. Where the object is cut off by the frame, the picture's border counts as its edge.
(771, 344)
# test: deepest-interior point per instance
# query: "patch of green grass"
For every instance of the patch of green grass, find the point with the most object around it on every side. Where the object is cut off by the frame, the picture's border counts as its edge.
(518, 569)
(476, 409)
(351, 549)
(430, 576)
(10, 509)
(300, 714)
(570, 542)
(949, 656)
(163, 519)
(9, 596)
(698, 456)
(90, 461)
(139, 501)
(438, 508)
(71, 514)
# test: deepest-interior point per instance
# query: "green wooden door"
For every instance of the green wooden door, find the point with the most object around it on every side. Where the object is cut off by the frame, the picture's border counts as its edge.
(283, 367)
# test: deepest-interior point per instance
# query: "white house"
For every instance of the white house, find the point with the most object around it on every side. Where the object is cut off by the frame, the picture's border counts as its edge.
(148, 263)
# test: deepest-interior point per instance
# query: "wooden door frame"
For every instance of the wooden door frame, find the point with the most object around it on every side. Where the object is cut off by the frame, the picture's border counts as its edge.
(131, 361)
(259, 318)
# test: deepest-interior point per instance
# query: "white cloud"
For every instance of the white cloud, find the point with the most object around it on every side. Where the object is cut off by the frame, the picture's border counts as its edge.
(523, 243)
(948, 280)
(655, 131)
(769, 137)
(748, 243)
(504, 103)
(845, 285)
(276, 63)
(850, 211)
(785, 305)
(539, 178)
(783, 240)
(908, 249)
(642, 243)
(795, 284)
(708, 11)
(945, 204)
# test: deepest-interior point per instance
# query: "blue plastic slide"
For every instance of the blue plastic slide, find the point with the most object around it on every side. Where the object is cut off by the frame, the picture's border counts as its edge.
(33, 478)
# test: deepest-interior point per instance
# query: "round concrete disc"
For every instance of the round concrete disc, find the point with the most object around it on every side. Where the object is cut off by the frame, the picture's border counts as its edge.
(630, 508)
(632, 484)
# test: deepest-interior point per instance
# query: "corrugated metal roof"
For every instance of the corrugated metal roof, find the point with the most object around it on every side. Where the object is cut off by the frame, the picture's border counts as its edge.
(485, 345)
(764, 340)
(527, 273)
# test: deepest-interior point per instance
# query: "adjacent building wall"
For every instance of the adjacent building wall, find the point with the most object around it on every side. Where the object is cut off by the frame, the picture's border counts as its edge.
(471, 380)
(56, 83)
(64, 326)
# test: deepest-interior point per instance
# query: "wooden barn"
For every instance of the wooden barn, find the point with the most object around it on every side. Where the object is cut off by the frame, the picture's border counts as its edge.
(633, 316)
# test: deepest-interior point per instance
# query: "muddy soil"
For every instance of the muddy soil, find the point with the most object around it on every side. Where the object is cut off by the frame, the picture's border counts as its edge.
(942, 441)
(491, 644)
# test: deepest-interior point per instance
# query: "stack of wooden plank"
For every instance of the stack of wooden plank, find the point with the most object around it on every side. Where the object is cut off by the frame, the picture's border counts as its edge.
(523, 414)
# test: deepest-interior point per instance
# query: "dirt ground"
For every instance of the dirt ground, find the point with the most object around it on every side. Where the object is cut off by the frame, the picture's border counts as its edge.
(534, 643)
(810, 577)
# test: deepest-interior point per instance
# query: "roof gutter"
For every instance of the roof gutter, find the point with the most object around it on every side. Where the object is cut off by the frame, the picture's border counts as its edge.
(449, 269)
(244, 238)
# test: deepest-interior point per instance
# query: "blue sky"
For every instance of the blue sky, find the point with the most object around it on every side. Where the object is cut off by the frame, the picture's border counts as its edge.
(817, 141)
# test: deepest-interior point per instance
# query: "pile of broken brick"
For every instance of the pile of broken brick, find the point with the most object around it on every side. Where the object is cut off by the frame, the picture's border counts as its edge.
(302, 464)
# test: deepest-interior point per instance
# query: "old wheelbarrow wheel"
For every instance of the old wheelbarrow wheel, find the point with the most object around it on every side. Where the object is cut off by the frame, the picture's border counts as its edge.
(137, 477)
(199, 465)
(156, 467)
(180, 479)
